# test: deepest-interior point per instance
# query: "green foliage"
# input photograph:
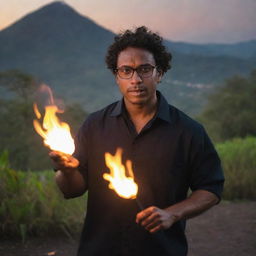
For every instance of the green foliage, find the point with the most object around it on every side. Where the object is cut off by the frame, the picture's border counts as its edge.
(4, 159)
(239, 163)
(231, 110)
(17, 133)
(20, 84)
(31, 204)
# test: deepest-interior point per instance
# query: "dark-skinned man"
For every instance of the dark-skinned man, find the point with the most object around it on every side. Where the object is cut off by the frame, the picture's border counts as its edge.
(170, 153)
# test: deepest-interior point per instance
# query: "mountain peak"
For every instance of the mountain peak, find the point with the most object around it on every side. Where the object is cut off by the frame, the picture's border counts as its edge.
(55, 20)
(57, 5)
(56, 8)
(57, 11)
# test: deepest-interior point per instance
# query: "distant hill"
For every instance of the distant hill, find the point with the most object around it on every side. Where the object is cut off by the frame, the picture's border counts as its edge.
(243, 50)
(66, 50)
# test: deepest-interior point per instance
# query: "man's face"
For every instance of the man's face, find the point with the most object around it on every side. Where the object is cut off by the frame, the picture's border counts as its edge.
(137, 89)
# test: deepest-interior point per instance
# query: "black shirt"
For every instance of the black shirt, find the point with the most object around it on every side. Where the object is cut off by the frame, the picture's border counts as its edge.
(171, 154)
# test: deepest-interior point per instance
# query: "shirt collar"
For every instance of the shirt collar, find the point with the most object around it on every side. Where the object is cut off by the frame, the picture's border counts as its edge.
(163, 111)
(118, 109)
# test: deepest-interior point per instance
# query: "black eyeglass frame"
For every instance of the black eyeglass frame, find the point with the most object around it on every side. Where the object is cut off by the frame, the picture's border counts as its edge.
(136, 69)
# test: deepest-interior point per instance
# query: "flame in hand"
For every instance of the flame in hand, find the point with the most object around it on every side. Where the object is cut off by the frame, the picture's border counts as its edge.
(124, 186)
(56, 134)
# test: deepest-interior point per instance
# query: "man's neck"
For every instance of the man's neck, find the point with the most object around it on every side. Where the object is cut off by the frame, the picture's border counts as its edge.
(141, 110)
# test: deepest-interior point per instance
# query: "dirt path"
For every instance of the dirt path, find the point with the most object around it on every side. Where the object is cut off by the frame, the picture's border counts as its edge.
(228, 229)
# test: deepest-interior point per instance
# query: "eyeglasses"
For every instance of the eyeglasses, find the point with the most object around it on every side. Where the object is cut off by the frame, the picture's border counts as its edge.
(144, 71)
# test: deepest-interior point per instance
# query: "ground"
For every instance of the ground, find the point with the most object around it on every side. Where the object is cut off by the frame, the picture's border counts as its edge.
(228, 229)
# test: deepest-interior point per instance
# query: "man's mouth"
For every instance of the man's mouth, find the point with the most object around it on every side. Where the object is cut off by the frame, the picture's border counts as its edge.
(139, 91)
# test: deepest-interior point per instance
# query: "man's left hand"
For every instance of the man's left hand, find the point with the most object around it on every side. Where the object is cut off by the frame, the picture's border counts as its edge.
(154, 219)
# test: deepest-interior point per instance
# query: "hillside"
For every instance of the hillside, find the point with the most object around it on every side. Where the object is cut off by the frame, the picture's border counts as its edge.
(243, 50)
(66, 50)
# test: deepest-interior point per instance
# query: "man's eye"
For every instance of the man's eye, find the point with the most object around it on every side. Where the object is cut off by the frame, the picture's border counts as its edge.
(126, 70)
(144, 69)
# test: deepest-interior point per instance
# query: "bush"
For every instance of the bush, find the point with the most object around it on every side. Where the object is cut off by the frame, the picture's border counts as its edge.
(239, 163)
(230, 111)
(31, 204)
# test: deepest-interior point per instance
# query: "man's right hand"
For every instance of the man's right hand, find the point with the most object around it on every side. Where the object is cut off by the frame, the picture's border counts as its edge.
(63, 162)
(69, 179)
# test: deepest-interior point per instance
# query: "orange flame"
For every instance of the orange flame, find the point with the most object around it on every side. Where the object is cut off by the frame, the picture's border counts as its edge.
(124, 186)
(56, 134)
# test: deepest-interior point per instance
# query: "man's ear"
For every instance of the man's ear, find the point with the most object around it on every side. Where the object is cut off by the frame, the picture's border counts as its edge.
(159, 75)
(117, 80)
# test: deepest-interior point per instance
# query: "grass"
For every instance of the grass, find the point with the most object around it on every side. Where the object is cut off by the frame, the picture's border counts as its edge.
(31, 204)
(239, 163)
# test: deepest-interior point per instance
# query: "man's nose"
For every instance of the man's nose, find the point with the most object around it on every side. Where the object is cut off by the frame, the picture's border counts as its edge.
(136, 77)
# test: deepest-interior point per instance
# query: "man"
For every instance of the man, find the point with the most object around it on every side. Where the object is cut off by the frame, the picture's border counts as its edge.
(170, 153)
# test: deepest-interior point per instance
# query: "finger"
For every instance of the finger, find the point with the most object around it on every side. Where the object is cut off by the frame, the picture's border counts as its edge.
(59, 166)
(62, 160)
(54, 155)
(58, 155)
(141, 216)
(57, 158)
(59, 162)
(64, 156)
(153, 224)
(151, 218)
(156, 229)
(65, 165)
(144, 214)
(71, 162)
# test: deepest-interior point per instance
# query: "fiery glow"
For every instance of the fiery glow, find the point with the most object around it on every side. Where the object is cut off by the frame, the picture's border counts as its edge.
(124, 186)
(56, 134)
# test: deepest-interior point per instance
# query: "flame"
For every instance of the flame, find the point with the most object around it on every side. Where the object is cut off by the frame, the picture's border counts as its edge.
(56, 134)
(124, 186)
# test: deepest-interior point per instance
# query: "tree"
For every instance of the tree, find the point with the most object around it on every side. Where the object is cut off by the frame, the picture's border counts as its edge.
(16, 114)
(231, 110)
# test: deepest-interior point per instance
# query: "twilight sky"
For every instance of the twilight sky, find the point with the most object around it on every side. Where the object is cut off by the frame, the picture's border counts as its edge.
(200, 21)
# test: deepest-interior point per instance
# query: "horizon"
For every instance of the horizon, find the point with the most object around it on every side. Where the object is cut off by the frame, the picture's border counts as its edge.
(213, 32)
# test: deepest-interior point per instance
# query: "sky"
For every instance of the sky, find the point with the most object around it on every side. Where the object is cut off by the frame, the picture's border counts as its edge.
(198, 21)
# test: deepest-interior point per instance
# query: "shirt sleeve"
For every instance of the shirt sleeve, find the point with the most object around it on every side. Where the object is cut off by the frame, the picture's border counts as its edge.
(206, 171)
(81, 149)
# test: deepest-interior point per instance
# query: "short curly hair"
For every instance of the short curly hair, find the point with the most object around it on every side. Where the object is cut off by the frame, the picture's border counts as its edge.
(143, 38)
